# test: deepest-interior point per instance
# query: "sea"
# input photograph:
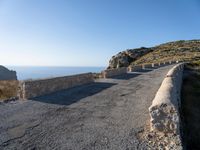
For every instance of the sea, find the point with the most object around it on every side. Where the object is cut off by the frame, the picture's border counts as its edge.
(35, 72)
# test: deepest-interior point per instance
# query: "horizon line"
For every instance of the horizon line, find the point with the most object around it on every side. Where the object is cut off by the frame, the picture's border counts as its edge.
(47, 66)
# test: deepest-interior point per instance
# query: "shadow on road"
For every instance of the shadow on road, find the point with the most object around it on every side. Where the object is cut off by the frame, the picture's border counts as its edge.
(69, 96)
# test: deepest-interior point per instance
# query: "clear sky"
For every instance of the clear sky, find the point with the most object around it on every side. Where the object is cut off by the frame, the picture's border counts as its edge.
(89, 32)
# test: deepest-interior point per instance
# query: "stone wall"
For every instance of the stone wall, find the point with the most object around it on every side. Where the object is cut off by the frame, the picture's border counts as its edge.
(151, 65)
(34, 88)
(6, 74)
(156, 64)
(136, 68)
(114, 72)
(164, 111)
(162, 63)
(147, 66)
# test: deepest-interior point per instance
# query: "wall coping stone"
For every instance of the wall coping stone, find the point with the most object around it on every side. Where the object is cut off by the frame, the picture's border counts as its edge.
(164, 111)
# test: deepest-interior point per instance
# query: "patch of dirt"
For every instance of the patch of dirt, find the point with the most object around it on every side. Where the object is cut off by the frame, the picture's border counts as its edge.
(157, 140)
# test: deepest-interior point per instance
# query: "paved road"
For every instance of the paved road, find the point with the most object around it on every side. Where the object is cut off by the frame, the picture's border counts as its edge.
(102, 115)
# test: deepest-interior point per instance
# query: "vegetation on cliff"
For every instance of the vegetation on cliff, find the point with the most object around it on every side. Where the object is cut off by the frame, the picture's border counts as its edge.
(179, 50)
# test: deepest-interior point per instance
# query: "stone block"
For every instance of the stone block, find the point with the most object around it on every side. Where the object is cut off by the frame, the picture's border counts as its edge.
(114, 72)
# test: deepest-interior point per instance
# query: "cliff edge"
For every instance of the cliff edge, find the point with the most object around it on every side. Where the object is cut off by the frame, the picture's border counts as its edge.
(6, 74)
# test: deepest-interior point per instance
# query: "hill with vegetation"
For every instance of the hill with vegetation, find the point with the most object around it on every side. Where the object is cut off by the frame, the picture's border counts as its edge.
(178, 50)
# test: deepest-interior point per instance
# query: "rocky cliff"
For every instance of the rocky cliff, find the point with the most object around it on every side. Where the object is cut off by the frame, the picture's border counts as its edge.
(177, 50)
(125, 58)
(6, 74)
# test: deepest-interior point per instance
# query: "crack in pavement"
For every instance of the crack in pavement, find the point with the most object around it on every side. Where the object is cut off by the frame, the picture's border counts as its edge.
(19, 137)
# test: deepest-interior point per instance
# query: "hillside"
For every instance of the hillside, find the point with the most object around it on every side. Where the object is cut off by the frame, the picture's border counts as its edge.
(177, 50)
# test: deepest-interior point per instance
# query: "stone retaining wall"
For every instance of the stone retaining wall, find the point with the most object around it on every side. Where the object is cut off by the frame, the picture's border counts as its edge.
(162, 63)
(34, 88)
(156, 64)
(135, 68)
(114, 72)
(147, 66)
(167, 63)
(164, 111)
(117, 71)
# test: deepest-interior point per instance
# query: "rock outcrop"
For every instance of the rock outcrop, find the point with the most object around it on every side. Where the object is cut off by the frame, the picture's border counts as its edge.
(125, 58)
(179, 50)
(6, 74)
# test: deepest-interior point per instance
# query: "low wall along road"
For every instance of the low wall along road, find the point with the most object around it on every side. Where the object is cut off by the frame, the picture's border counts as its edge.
(34, 88)
(164, 110)
(118, 71)
(135, 68)
(146, 66)
(114, 72)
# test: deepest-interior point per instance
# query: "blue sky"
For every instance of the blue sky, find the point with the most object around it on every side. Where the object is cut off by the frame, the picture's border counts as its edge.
(89, 32)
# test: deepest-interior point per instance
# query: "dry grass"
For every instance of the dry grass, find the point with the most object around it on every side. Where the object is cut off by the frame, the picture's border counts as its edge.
(8, 89)
(179, 50)
(164, 57)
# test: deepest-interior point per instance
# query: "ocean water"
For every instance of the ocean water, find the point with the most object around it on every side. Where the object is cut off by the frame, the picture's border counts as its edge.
(34, 72)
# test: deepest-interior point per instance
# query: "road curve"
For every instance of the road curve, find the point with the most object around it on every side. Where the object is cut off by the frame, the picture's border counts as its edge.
(106, 114)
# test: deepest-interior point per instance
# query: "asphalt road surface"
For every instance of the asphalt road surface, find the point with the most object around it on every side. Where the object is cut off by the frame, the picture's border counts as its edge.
(103, 115)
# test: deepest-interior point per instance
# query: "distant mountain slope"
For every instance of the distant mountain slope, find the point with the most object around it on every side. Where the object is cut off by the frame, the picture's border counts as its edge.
(178, 50)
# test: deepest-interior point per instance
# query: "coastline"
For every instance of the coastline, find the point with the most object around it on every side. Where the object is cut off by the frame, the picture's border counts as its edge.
(41, 72)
